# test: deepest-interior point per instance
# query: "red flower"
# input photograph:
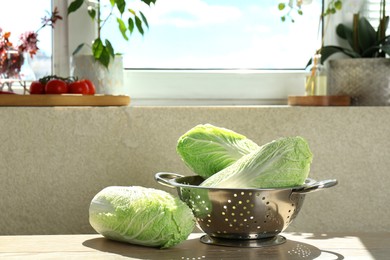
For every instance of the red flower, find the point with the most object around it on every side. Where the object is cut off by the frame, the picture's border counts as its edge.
(29, 43)
(54, 16)
(11, 57)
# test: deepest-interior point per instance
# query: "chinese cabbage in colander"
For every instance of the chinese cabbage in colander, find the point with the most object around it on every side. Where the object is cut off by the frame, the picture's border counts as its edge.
(207, 149)
(284, 162)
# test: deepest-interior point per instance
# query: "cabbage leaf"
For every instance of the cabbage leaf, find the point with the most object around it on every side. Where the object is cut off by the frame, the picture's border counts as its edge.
(207, 149)
(142, 216)
(284, 162)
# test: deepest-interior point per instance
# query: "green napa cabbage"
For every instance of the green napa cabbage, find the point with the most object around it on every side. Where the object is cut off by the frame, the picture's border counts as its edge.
(142, 216)
(207, 149)
(281, 163)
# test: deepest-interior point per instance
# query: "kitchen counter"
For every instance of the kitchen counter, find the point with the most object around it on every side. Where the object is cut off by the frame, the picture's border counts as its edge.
(54, 160)
(298, 246)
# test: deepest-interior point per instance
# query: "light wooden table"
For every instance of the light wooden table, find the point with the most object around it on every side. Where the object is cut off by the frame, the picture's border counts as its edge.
(298, 246)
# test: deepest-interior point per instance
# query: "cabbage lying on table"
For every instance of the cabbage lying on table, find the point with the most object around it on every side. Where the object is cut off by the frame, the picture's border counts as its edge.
(281, 163)
(207, 149)
(142, 216)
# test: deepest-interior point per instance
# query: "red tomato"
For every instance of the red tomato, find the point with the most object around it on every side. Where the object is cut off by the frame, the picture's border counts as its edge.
(78, 87)
(37, 87)
(56, 86)
(91, 86)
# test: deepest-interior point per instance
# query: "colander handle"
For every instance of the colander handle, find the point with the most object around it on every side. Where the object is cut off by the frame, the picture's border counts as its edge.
(316, 186)
(164, 178)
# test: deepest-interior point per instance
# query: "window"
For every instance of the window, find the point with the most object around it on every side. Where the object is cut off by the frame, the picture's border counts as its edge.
(371, 10)
(27, 20)
(228, 34)
(213, 83)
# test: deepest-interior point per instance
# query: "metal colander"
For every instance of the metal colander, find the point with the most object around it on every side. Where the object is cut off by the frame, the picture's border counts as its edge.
(241, 217)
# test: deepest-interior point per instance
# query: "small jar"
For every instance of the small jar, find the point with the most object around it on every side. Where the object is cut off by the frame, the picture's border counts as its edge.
(316, 81)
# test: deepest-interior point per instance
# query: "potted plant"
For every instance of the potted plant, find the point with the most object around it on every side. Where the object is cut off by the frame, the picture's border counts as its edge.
(104, 66)
(363, 75)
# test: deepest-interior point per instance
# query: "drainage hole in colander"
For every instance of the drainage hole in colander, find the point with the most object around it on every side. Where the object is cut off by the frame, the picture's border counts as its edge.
(267, 203)
(258, 227)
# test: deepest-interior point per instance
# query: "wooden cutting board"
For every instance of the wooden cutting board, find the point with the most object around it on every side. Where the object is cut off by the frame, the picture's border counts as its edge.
(319, 100)
(63, 100)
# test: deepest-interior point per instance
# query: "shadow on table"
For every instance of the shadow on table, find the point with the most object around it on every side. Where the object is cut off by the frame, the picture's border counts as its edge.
(194, 249)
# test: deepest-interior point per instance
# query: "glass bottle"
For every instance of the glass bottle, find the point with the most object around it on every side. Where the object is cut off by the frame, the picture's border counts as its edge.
(316, 80)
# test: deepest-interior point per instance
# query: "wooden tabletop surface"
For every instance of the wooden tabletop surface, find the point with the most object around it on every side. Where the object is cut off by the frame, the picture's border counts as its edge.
(298, 246)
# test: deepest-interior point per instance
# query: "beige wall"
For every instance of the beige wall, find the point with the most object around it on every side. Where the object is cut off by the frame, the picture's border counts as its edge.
(54, 160)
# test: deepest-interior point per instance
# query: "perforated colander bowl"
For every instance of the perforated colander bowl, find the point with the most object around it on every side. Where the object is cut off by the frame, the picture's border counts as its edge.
(241, 217)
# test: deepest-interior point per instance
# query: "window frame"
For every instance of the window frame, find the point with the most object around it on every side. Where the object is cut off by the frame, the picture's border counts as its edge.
(183, 87)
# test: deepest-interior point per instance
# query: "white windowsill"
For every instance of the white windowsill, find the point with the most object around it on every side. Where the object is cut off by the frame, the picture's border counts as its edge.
(212, 87)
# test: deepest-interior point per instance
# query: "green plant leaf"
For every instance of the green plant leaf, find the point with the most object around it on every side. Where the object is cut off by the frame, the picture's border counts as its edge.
(78, 49)
(104, 58)
(109, 48)
(328, 51)
(122, 28)
(345, 32)
(92, 13)
(148, 2)
(121, 5)
(97, 48)
(144, 19)
(281, 6)
(112, 2)
(366, 34)
(75, 5)
(131, 25)
(138, 23)
(132, 11)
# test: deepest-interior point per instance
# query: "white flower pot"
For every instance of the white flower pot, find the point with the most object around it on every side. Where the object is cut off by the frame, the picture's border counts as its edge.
(107, 80)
